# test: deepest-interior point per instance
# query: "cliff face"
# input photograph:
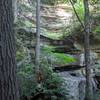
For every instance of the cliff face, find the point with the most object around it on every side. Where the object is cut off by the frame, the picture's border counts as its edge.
(59, 27)
(57, 22)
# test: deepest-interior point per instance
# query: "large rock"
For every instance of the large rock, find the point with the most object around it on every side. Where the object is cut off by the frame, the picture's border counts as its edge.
(93, 58)
(75, 86)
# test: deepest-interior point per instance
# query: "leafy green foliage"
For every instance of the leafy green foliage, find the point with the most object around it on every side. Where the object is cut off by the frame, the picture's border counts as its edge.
(96, 32)
(26, 78)
(94, 1)
(55, 58)
(51, 82)
(97, 29)
(63, 58)
(80, 9)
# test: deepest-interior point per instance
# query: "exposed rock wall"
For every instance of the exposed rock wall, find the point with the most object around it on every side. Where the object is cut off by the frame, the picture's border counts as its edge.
(75, 86)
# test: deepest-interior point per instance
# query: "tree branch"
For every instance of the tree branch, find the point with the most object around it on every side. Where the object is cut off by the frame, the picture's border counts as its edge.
(77, 15)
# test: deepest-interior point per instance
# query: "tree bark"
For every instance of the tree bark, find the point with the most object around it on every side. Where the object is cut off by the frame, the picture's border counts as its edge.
(15, 10)
(8, 80)
(89, 88)
(37, 51)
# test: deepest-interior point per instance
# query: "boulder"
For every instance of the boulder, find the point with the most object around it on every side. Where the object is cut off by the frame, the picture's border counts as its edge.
(75, 86)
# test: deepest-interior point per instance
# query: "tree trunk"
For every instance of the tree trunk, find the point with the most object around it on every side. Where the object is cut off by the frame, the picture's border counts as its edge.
(89, 88)
(37, 51)
(15, 10)
(8, 81)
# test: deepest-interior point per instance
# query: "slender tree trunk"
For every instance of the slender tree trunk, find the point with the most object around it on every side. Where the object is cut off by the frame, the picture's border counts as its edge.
(89, 88)
(15, 10)
(8, 81)
(37, 51)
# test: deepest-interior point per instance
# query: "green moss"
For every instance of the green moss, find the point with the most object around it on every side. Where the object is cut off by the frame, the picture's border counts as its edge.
(50, 34)
(56, 58)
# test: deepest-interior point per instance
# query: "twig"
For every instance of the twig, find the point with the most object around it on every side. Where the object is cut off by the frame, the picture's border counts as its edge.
(77, 15)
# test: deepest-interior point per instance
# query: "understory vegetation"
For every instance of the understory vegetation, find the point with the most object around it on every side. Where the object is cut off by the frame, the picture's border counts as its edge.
(62, 35)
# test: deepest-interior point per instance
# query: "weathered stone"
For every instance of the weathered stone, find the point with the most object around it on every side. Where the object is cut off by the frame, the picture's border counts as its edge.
(75, 86)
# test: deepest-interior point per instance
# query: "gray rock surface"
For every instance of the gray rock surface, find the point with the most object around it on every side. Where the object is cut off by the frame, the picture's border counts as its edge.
(75, 86)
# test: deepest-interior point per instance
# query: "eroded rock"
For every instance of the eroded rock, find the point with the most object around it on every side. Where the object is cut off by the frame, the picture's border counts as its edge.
(75, 86)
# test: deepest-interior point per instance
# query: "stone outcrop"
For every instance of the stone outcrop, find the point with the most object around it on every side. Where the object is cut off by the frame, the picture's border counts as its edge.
(75, 86)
